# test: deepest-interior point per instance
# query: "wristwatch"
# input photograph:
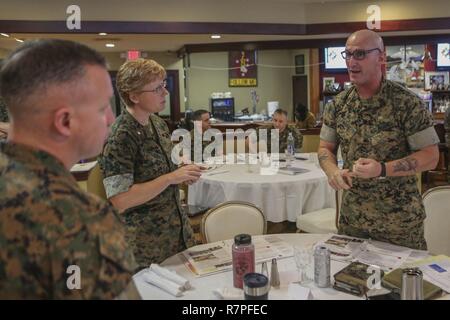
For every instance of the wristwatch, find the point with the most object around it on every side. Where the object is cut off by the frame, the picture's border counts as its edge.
(383, 171)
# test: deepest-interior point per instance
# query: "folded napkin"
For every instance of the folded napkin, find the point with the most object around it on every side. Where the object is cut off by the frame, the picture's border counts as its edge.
(170, 275)
(227, 293)
(162, 283)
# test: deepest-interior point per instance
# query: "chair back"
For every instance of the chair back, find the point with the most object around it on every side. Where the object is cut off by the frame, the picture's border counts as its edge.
(437, 222)
(338, 201)
(231, 218)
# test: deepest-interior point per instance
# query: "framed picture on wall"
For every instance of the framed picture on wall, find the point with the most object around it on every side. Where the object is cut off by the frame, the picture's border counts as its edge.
(436, 80)
(300, 64)
(242, 69)
(327, 83)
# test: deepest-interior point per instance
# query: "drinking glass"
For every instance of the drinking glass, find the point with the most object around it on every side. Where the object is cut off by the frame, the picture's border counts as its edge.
(303, 257)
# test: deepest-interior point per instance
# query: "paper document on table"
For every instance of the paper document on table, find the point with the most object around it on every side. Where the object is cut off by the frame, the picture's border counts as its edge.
(216, 257)
(344, 247)
(208, 258)
(385, 255)
(436, 270)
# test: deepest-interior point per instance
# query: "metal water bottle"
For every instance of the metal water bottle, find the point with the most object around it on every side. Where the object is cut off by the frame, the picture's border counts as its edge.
(322, 266)
(243, 256)
(412, 284)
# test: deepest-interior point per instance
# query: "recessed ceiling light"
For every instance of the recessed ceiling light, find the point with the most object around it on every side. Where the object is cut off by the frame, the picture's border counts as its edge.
(216, 36)
(5, 35)
(110, 45)
(18, 40)
(102, 34)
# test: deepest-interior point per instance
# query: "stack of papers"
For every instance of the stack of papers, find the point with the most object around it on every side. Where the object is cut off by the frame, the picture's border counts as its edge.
(387, 256)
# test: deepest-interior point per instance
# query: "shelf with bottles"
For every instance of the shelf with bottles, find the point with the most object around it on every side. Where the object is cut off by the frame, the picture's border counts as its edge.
(441, 101)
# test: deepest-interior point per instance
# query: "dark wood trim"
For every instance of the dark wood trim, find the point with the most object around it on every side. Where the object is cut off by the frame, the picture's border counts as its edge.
(174, 95)
(166, 27)
(156, 27)
(152, 27)
(309, 43)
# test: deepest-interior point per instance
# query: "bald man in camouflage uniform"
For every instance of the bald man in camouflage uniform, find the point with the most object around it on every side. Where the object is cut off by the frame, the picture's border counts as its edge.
(140, 179)
(280, 122)
(57, 241)
(386, 136)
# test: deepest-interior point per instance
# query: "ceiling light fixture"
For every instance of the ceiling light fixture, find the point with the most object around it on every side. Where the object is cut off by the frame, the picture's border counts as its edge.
(216, 36)
(102, 34)
(18, 40)
(110, 45)
(5, 35)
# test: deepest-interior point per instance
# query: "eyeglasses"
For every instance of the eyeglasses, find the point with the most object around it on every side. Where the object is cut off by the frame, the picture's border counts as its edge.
(159, 89)
(358, 54)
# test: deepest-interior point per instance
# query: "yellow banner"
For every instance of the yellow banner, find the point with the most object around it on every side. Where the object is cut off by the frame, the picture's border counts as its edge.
(242, 82)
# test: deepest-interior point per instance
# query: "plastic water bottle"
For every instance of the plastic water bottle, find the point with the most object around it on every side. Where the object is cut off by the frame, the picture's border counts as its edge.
(290, 149)
(243, 257)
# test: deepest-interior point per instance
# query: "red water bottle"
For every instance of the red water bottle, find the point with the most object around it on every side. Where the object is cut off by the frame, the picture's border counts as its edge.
(243, 254)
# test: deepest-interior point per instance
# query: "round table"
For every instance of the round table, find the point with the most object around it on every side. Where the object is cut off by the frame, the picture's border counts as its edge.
(203, 287)
(281, 197)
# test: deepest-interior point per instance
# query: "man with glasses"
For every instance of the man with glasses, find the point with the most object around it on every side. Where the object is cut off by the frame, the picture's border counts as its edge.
(140, 179)
(386, 137)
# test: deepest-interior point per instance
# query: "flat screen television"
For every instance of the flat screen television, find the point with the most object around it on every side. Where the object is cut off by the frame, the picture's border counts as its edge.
(443, 56)
(333, 59)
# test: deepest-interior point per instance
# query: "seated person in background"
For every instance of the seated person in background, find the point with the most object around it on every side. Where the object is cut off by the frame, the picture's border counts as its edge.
(58, 95)
(280, 122)
(4, 120)
(305, 119)
(202, 116)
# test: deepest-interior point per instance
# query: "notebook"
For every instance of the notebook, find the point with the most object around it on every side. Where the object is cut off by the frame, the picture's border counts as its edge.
(292, 170)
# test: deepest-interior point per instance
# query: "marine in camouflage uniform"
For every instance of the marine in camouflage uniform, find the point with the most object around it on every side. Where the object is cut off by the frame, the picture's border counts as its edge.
(47, 223)
(389, 126)
(135, 154)
(283, 136)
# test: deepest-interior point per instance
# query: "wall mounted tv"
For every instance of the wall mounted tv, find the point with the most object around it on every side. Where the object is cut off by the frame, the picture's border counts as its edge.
(333, 59)
(443, 56)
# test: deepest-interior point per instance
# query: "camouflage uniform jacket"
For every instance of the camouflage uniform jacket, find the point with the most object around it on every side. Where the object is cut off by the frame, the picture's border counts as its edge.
(135, 154)
(47, 223)
(389, 126)
(283, 136)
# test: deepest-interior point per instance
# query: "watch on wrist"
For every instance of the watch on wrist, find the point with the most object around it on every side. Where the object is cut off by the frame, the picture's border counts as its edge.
(383, 170)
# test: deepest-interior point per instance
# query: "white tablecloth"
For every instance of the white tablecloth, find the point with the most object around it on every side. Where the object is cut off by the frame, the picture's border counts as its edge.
(281, 197)
(203, 287)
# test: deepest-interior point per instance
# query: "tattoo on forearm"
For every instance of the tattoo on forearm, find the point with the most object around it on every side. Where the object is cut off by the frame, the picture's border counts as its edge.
(323, 156)
(407, 164)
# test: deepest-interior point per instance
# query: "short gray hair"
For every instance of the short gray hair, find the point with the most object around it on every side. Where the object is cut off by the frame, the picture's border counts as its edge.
(38, 64)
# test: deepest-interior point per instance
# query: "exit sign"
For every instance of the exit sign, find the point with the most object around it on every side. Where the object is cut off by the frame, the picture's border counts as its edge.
(133, 54)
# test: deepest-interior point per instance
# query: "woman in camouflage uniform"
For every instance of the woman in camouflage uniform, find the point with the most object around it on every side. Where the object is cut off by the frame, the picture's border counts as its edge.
(139, 177)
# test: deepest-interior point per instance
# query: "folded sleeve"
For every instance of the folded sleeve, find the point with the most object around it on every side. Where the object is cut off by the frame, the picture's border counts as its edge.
(419, 126)
(117, 163)
(328, 130)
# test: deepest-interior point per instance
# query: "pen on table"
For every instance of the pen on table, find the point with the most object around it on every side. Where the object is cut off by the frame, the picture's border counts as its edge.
(217, 172)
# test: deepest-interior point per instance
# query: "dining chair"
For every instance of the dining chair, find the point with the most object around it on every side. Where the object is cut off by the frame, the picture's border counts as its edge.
(228, 219)
(437, 223)
(321, 221)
